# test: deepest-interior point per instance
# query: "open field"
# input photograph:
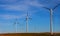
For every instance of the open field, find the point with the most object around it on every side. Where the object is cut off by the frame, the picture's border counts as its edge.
(29, 34)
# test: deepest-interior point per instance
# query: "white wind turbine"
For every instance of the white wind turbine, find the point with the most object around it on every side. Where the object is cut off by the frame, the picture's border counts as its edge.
(27, 19)
(51, 17)
(15, 24)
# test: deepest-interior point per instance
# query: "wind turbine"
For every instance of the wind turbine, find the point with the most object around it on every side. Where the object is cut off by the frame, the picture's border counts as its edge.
(27, 19)
(15, 23)
(51, 17)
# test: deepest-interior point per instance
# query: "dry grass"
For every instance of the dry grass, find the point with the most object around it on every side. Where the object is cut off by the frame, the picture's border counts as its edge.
(29, 34)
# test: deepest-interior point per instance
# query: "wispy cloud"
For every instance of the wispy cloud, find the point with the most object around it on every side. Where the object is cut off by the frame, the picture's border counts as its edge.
(12, 16)
(8, 1)
(19, 5)
(15, 7)
(24, 6)
(34, 3)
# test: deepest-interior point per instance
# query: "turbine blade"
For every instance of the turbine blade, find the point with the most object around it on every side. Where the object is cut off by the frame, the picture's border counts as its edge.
(56, 6)
(30, 18)
(18, 23)
(14, 23)
(27, 13)
(46, 8)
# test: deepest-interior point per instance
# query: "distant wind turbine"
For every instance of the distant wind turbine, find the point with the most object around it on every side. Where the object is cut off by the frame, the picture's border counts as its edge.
(51, 16)
(15, 23)
(27, 19)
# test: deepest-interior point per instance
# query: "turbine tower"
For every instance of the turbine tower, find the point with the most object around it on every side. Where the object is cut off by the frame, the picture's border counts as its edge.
(27, 19)
(51, 17)
(15, 24)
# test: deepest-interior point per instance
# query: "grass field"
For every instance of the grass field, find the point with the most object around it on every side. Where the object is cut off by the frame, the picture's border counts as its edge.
(29, 34)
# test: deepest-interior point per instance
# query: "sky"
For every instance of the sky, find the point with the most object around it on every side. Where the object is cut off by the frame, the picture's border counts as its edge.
(10, 10)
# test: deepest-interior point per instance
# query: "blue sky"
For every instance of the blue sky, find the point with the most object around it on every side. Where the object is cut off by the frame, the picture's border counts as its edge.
(12, 9)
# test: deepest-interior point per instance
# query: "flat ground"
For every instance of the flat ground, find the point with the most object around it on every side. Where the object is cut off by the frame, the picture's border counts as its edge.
(29, 34)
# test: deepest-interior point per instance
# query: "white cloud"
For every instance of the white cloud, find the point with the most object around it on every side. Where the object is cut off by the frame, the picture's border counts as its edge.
(21, 7)
(33, 3)
(16, 7)
(8, 1)
(12, 16)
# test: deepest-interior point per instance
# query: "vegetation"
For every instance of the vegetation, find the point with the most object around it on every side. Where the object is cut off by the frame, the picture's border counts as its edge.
(30, 34)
